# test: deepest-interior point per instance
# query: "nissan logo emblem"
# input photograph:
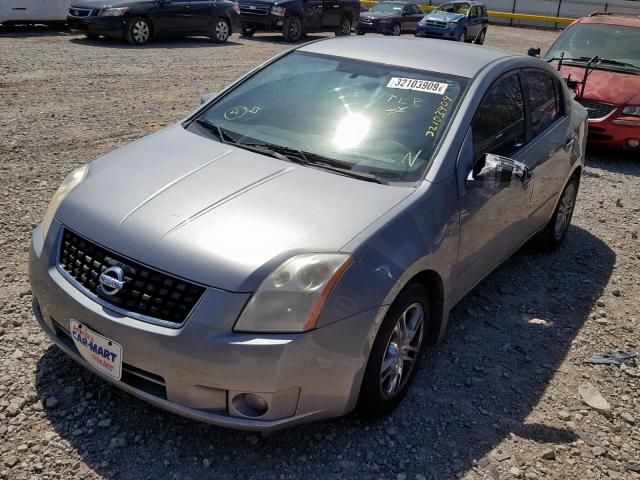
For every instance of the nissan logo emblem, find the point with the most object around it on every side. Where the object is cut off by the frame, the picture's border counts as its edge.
(111, 280)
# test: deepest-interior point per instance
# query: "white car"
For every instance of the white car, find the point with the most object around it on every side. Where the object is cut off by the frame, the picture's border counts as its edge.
(31, 11)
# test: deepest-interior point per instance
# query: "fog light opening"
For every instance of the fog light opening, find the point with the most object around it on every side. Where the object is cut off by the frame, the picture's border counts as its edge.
(633, 142)
(250, 404)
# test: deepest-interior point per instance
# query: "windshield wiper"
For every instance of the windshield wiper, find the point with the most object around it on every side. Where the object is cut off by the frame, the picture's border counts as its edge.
(228, 139)
(618, 63)
(290, 154)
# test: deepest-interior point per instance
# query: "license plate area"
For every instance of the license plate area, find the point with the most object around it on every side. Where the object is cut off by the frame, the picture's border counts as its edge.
(99, 351)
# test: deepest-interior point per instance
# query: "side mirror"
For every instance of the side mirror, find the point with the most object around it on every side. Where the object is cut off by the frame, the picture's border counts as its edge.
(534, 52)
(499, 172)
(207, 97)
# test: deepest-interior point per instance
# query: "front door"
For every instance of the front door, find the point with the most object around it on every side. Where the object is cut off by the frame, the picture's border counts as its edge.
(171, 18)
(491, 218)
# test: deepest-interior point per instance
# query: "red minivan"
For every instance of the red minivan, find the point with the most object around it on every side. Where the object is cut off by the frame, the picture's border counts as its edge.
(612, 89)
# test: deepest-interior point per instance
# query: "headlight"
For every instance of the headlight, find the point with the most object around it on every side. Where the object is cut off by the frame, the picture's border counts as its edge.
(278, 11)
(71, 181)
(292, 297)
(631, 110)
(113, 12)
(452, 25)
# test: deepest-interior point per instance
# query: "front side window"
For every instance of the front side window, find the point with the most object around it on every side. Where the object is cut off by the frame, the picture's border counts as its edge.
(499, 124)
(544, 101)
(373, 118)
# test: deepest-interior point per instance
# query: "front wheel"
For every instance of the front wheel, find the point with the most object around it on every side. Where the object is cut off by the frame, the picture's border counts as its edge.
(138, 31)
(554, 232)
(396, 351)
(344, 28)
(221, 31)
(292, 29)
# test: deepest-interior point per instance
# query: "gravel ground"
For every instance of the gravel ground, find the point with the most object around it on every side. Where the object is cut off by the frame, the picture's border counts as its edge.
(498, 399)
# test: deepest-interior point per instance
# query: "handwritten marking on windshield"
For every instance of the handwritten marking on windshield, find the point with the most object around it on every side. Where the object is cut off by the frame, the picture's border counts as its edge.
(239, 111)
(411, 159)
(438, 116)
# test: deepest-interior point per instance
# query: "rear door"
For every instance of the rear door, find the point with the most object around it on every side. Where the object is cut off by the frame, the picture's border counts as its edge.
(491, 219)
(411, 15)
(200, 16)
(170, 18)
(551, 141)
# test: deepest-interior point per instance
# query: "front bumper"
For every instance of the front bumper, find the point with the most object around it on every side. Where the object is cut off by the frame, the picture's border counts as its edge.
(435, 32)
(113, 27)
(198, 369)
(614, 131)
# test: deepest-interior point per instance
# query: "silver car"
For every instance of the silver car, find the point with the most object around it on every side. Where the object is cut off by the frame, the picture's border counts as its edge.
(288, 251)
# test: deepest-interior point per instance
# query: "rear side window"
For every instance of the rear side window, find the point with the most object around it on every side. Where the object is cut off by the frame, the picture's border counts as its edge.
(544, 99)
(498, 125)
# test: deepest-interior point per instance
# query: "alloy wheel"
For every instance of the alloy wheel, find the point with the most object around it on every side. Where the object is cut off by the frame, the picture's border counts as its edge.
(140, 31)
(345, 28)
(295, 29)
(402, 350)
(396, 30)
(222, 31)
(565, 211)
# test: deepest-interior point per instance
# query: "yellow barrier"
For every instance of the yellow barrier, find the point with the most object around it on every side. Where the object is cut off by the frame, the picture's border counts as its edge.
(496, 14)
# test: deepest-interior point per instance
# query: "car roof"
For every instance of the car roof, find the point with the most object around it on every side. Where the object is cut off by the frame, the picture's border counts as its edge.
(428, 54)
(612, 18)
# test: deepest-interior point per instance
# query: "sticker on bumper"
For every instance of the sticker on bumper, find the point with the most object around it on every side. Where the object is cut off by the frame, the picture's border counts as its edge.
(99, 351)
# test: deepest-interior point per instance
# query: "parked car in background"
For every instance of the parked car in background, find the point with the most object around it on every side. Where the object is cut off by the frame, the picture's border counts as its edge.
(295, 18)
(290, 249)
(460, 20)
(33, 11)
(390, 18)
(140, 21)
(612, 91)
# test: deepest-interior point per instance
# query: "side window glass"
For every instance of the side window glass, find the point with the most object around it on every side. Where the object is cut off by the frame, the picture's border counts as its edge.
(498, 125)
(543, 99)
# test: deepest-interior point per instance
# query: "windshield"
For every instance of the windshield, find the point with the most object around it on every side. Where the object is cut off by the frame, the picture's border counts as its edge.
(616, 43)
(378, 119)
(386, 8)
(462, 8)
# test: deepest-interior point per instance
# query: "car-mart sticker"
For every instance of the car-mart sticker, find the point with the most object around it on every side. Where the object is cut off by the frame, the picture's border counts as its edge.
(417, 85)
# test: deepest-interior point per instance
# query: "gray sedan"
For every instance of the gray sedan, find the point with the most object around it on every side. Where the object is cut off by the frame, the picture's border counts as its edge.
(290, 250)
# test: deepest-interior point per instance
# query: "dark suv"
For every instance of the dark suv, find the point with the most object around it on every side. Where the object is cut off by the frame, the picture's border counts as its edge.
(294, 18)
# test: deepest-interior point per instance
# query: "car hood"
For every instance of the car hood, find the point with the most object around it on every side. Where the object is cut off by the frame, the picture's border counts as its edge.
(377, 15)
(97, 4)
(216, 214)
(608, 86)
(444, 16)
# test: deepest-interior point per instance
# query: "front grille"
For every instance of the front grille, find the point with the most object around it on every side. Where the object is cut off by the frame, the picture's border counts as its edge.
(147, 294)
(597, 110)
(254, 8)
(435, 23)
(81, 12)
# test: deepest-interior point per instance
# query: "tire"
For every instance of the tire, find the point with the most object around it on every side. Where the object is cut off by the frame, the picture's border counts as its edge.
(221, 30)
(344, 27)
(480, 38)
(555, 231)
(397, 30)
(379, 393)
(292, 29)
(359, 32)
(92, 36)
(248, 31)
(138, 31)
(463, 35)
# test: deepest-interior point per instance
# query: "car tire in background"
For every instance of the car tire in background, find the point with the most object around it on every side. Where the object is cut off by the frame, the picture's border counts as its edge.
(463, 35)
(397, 350)
(554, 232)
(248, 31)
(480, 38)
(344, 27)
(221, 30)
(396, 31)
(138, 31)
(292, 29)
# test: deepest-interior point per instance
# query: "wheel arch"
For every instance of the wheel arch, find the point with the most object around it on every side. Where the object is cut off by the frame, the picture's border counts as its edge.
(433, 283)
